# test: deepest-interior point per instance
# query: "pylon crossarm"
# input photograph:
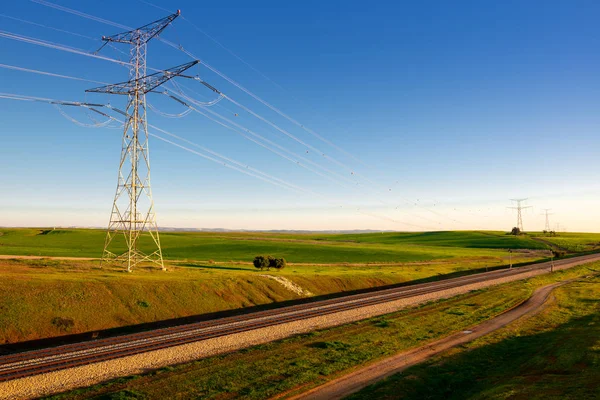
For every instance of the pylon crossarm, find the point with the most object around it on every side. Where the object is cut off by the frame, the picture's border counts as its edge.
(144, 33)
(144, 84)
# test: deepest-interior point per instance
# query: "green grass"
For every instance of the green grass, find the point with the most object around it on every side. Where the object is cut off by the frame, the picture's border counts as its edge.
(555, 355)
(464, 239)
(304, 361)
(574, 242)
(298, 248)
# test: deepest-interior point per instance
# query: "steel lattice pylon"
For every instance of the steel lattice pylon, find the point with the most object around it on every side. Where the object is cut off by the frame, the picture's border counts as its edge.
(519, 208)
(133, 217)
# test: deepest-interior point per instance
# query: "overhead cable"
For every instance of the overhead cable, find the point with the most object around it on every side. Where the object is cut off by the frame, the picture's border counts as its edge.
(57, 46)
(35, 71)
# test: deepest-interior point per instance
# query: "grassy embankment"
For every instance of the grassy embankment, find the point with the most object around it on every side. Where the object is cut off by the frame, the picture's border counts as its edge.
(46, 298)
(296, 364)
(555, 355)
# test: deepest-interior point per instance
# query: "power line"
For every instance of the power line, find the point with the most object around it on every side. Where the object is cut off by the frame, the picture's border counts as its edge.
(240, 129)
(57, 46)
(239, 86)
(189, 108)
(224, 161)
(81, 14)
(259, 139)
(104, 21)
(58, 30)
(218, 43)
(35, 71)
(180, 48)
(47, 27)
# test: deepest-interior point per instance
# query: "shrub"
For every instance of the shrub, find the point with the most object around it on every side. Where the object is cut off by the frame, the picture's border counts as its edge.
(261, 262)
(272, 262)
(64, 324)
(280, 263)
(558, 253)
(381, 323)
(143, 303)
(335, 345)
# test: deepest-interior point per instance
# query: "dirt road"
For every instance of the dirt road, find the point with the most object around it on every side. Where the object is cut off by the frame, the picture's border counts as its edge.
(353, 382)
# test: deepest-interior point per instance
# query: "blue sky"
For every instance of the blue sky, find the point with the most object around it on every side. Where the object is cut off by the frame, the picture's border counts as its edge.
(451, 108)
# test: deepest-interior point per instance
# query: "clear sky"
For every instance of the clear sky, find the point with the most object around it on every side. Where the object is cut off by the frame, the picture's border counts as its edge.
(449, 109)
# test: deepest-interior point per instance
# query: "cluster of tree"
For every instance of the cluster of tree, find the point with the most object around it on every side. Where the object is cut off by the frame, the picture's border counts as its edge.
(268, 262)
(549, 233)
(516, 231)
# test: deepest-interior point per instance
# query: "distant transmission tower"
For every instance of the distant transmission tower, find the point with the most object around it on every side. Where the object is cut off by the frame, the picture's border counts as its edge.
(133, 216)
(547, 213)
(519, 208)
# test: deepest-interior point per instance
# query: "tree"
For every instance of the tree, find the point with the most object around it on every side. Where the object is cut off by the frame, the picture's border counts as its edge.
(280, 263)
(261, 262)
(515, 231)
(268, 262)
(272, 262)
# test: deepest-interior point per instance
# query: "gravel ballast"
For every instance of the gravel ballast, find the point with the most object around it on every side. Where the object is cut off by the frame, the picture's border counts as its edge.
(58, 381)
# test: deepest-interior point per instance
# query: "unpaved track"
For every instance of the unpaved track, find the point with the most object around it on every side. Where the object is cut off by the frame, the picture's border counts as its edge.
(353, 382)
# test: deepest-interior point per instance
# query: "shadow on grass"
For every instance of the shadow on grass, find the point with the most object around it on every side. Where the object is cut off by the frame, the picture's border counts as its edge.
(562, 363)
(191, 265)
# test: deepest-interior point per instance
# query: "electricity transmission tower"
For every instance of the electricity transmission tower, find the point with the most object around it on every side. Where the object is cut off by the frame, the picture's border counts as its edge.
(547, 214)
(519, 208)
(133, 219)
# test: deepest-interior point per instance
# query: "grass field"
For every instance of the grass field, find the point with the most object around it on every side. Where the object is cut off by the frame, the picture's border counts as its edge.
(555, 355)
(574, 242)
(304, 361)
(298, 248)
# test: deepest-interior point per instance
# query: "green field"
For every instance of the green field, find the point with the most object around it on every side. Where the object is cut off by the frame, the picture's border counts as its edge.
(573, 242)
(298, 248)
(555, 355)
(296, 364)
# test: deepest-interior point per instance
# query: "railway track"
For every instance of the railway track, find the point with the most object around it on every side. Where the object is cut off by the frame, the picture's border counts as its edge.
(51, 359)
